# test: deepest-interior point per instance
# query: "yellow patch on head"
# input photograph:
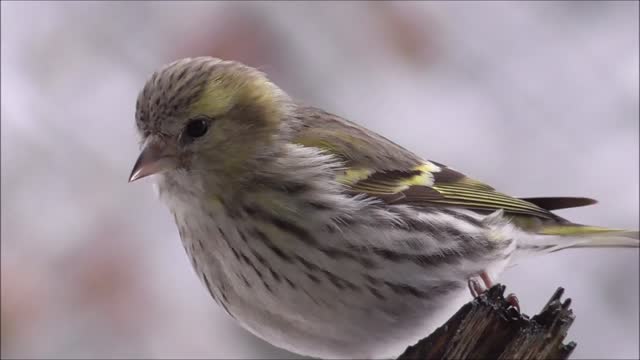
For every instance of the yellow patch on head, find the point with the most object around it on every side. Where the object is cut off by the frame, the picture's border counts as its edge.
(215, 100)
(238, 86)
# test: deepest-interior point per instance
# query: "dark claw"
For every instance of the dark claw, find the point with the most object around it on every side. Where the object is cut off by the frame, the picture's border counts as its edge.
(512, 299)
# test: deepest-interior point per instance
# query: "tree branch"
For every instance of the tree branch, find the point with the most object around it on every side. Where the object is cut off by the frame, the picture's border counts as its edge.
(490, 328)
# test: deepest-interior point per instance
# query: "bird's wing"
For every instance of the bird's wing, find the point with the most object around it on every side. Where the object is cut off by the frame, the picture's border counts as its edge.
(380, 168)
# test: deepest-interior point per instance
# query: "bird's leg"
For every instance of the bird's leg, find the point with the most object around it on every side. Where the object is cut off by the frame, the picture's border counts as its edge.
(486, 280)
(475, 288)
(481, 285)
(512, 299)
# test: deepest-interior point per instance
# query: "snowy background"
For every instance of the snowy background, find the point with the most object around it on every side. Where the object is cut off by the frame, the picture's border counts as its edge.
(537, 99)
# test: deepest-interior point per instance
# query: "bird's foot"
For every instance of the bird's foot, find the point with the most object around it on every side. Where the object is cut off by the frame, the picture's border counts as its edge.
(479, 284)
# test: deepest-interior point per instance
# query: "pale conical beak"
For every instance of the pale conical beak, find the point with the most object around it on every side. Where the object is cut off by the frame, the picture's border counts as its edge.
(153, 159)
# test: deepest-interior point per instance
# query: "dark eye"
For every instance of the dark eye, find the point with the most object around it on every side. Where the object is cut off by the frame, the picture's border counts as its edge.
(196, 128)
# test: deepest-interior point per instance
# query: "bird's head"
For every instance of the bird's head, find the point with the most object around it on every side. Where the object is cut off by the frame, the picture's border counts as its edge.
(206, 115)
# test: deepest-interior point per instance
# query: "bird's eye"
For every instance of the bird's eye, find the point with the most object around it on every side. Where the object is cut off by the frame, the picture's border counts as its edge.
(196, 128)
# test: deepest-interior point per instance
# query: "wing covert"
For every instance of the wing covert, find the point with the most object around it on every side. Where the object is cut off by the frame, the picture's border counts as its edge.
(379, 168)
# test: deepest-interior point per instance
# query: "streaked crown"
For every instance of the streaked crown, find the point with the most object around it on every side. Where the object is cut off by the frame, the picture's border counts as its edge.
(205, 86)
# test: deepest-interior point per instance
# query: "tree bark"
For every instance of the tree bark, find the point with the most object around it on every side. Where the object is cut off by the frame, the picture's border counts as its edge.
(489, 327)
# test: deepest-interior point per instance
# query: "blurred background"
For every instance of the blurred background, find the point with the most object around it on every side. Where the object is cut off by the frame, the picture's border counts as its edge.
(535, 98)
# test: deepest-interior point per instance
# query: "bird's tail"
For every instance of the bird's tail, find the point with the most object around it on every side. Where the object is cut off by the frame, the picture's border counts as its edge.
(552, 238)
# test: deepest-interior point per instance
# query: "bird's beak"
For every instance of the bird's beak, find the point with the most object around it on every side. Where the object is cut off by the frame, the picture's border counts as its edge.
(156, 157)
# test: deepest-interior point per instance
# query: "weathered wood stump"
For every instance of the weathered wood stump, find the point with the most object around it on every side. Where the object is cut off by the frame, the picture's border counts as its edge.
(489, 327)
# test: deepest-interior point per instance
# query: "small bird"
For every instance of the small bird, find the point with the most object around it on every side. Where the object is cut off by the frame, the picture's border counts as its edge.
(321, 236)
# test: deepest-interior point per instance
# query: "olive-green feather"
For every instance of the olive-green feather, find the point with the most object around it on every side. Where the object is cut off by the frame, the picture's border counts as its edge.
(378, 167)
(375, 166)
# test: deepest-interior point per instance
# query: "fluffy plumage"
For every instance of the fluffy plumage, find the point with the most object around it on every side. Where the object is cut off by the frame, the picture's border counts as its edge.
(316, 234)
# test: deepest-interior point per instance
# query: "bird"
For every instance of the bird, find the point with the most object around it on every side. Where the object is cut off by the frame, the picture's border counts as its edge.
(318, 235)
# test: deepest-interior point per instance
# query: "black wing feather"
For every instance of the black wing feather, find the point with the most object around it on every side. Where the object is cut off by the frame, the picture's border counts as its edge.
(555, 203)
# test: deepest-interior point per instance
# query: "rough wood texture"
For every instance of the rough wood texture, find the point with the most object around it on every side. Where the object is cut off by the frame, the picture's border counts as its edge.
(490, 328)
